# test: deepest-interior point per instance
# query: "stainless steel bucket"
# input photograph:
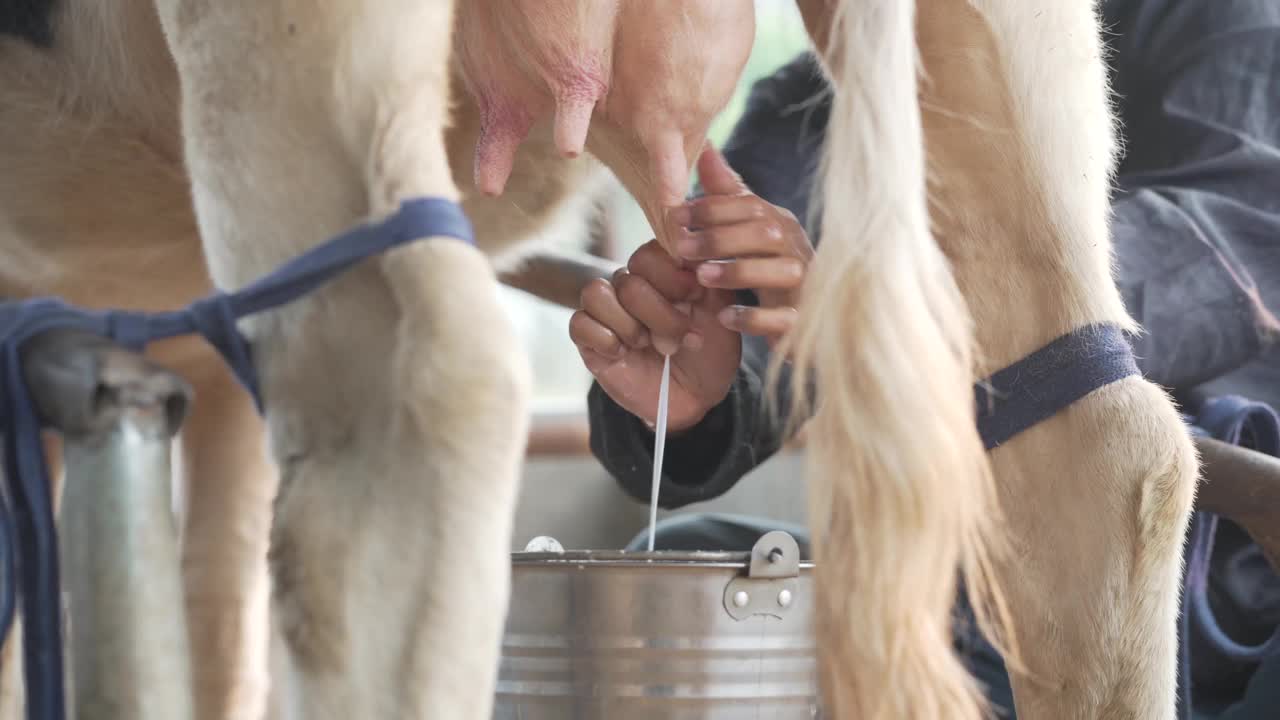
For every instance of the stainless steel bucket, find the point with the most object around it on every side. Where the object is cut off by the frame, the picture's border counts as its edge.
(679, 635)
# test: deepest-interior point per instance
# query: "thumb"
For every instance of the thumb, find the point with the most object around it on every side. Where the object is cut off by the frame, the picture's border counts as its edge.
(715, 175)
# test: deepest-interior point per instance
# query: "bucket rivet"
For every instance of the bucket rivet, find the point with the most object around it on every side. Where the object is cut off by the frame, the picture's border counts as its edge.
(740, 598)
(784, 598)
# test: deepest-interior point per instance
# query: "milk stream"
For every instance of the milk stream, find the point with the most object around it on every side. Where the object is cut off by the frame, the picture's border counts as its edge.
(659, 445)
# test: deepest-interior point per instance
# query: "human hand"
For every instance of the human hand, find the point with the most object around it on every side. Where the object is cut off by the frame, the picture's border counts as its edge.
(735, 240)
(651, 308)
(728, 240)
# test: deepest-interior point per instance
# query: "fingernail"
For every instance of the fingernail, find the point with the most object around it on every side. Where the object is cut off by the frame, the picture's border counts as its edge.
(709, 272)
(693, 341)
(689, 245)
(729, 316)
(683, 308)
(665, 346)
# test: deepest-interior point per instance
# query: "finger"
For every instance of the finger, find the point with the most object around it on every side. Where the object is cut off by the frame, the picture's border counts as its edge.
(712, 210)
(716, 176)
(765, 237)
(589, 334)
(667, 326)
(772, 323)
(595, 362)
(655, 264)
(771, 273)
(600, 301)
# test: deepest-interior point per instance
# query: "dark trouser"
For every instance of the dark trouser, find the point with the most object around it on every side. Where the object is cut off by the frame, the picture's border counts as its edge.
(713, 531)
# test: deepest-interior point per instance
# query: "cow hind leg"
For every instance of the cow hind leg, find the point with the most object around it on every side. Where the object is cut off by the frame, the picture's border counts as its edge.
(396, 397)
(228, 482)
(1097, 498)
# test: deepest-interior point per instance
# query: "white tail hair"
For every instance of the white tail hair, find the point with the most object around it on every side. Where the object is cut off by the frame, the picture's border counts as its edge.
(900, 493)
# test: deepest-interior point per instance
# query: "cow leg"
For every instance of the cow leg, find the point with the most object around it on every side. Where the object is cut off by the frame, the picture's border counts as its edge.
(1020, 149)
(228, 482)
(396, 397)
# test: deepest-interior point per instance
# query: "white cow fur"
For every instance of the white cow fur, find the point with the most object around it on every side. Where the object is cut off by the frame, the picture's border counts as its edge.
(397, 396)
(96, 209)
(1012, 116)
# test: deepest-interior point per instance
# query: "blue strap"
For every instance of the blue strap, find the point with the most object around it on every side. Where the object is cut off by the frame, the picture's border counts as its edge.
(29, 557)
(1048, 380)
(1069, 368)
(214, 316)
(1235, 420)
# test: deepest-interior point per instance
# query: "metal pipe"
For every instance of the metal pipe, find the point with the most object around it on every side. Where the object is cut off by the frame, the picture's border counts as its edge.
(1237, 481)
(1243, 485)
(126, 625)
(127, 634)
(558, 277)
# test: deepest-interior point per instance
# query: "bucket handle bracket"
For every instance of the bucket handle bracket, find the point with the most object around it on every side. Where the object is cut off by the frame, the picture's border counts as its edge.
(769, 587)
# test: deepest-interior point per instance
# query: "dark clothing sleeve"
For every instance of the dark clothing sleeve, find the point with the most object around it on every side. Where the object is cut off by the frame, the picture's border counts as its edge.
(704, 461)
(1197, 213)
(1197, 230)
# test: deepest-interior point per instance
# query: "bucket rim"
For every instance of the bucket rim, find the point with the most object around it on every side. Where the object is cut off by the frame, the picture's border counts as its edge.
(625, 558)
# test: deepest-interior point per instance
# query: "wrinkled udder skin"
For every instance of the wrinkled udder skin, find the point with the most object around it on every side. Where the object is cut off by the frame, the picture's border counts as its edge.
(635, 82)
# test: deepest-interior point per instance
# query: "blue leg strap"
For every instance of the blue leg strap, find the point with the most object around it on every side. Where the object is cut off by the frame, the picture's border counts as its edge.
(29, 557)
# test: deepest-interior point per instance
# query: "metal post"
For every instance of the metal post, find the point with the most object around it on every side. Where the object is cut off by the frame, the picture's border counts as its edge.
(127, 633)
